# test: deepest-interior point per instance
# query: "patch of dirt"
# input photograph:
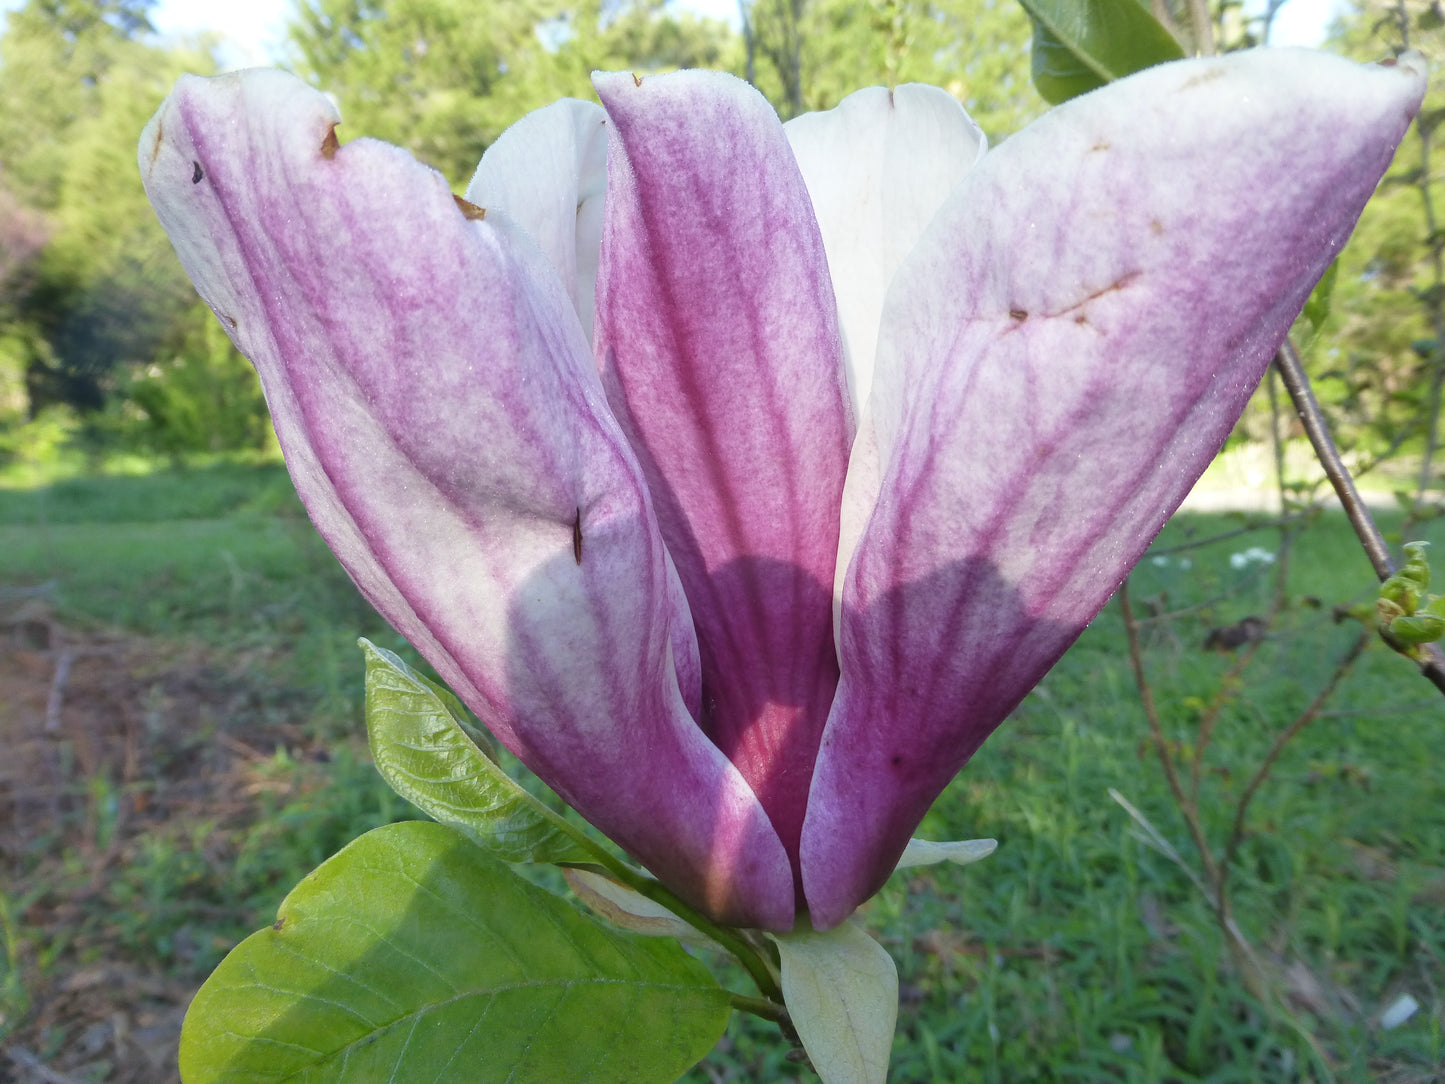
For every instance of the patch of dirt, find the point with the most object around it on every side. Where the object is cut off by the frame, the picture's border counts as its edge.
(111, 742)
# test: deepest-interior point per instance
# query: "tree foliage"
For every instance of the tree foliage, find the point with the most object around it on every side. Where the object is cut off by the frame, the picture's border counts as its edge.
(810, 54)
(432, 76)
(93, 303)
(104, 288)
(1378, 357)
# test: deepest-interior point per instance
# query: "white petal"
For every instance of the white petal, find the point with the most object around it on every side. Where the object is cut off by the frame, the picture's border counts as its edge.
(548, 173)
(877, 168)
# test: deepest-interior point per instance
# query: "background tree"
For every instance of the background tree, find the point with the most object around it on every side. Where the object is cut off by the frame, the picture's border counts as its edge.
(78, 84)
(1379, 359)
(810, 54)
(431, 76)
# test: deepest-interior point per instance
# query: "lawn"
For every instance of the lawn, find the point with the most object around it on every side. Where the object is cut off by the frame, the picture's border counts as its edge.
(180, 700)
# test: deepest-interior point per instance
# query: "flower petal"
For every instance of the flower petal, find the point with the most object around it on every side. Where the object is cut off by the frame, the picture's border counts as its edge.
(717, 336)
(961, 852)
(878, 167)
(445, 425)
(548, 172)
(1060, 358)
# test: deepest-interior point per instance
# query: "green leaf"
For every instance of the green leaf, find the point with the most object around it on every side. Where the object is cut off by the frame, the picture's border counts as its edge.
(422, 751)
(413, 956)
(1079, 45)
(841, 989)
(1317, 308)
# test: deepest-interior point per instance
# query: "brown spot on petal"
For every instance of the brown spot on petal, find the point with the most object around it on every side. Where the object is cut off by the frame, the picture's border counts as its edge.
(279, 924)
(329, 145)
(637, 79)
(470, 211)
(577, 537)
(156, 146)
(1204, 77)
(1156, 227)
(197, 174)
(1018, 314)
(1102, 145)
(229, 319)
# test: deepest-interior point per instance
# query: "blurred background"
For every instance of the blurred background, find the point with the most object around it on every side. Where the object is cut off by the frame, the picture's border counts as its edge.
(180, 695)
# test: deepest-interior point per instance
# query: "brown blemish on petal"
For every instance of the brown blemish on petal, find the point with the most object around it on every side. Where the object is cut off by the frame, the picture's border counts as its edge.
(470, 211)
(577, 538)
(1102, 145)
(1018, 314)
(637, 79)
(1204, 77)
(156, 146)
(197, 174)
(329, 145)
(229, 319)
(1081, 319)
(1156, 227)
(279, 924)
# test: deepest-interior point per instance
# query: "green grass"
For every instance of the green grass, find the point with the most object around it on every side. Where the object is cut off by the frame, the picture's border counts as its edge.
(1076, 953)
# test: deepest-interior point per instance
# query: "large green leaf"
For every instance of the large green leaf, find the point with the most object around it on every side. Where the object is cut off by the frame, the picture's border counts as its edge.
(413, 956)
(420, 749)
(1079, 45)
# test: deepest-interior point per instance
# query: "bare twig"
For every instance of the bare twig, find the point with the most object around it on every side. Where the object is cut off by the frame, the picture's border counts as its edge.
(1224, 536)
(1297, 384)
(1187, 807)
(1228, 689)
(1310, 713)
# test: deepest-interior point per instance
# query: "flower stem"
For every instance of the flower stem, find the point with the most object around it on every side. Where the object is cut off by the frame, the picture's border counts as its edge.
(752, 961)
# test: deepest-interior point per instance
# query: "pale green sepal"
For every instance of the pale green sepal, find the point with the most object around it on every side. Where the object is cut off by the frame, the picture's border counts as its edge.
(961, 852)
(422, 751)
(841, 990)
(414, 956)
(629, 909)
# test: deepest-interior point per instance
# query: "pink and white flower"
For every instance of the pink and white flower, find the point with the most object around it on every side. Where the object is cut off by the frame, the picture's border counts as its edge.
(742, 477)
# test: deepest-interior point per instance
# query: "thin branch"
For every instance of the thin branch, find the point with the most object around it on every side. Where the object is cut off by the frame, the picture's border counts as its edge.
(1297, 383)
(768, 1010)
(1228, 688)
(1241, 812)
(1187, 808)
(1249, 528)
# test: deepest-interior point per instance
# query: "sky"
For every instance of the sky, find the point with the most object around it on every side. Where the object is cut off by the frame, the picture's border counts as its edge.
(253, 29)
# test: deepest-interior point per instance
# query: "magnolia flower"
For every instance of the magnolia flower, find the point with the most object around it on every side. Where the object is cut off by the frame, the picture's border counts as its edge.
(740, 476)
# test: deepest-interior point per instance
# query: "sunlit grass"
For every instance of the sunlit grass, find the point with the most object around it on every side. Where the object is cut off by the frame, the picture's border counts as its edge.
(1075, 953)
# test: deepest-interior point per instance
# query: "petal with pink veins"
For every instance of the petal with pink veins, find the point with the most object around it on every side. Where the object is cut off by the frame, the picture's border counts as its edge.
(444, 423)
(717, 337)
(1059, 359)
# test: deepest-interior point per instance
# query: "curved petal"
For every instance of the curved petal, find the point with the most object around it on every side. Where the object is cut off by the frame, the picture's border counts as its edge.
(443, 421)
(548, 172)
(1060, 358)
(878, 167)
(717, 337)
